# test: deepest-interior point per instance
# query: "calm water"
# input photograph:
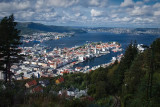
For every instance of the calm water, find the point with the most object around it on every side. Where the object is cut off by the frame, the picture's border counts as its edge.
(80, 39)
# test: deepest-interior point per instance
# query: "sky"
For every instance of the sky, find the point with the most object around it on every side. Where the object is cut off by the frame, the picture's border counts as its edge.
(93, 13)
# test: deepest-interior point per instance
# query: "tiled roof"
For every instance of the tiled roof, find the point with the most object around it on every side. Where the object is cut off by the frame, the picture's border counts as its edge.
(31, 83)
(61, 79)
(37, 89)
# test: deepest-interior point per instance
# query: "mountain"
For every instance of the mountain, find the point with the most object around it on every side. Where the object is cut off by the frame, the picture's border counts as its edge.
(132, 31)
(30, 27)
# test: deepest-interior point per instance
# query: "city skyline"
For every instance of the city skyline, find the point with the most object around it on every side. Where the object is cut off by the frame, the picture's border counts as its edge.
(94, 13)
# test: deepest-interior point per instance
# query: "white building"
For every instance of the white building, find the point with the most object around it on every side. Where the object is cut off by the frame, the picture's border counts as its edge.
(81, 58)
(1, 75)
(140, 48)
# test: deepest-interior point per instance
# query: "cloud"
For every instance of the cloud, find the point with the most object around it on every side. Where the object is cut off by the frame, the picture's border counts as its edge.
(83, 12)
(71, 3)
(84, 17)
(157, 5)
(136, 11)
(78, 14)
(39, 4)
(94, 2)
(14, 6)
(127, 3)
(46, 16)
(142, 11)
(61, 3)
(146, 0)
(142, 20)
(124, 19)
(113, 15)
(157, 13)
(96, 13)
(139, 3)
(24, 15)
(100, 3)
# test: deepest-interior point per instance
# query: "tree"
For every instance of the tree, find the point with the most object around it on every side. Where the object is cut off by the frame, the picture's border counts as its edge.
(22, 75)
(9, 43)
(126, 62)
(141, 81)
(100, 89)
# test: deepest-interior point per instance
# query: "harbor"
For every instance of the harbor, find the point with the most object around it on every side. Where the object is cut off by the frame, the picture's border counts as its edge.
(39, 62)
(72, 54)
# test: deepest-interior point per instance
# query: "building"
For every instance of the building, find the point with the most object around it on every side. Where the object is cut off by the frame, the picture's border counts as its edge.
(37, 89)
(81, 58)
(72, 91)
(31, 83)
(44, 83)
(1, 75)
(60, 80)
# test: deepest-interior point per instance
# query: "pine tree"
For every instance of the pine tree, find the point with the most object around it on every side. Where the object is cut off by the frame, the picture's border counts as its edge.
(129, 56)
(9, 43)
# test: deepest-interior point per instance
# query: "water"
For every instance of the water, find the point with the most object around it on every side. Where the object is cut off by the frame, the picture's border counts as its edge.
(80, 39)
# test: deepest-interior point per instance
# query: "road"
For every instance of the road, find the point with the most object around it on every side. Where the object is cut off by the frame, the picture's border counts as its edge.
(117, 102)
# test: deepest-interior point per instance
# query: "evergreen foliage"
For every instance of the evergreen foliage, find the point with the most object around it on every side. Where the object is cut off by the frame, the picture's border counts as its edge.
(141, 82)
(9, 43)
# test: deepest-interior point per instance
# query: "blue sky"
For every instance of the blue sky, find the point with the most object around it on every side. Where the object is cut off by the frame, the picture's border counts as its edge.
(95, 13)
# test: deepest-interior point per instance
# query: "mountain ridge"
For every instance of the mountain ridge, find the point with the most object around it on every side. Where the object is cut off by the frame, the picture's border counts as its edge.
(31, 27)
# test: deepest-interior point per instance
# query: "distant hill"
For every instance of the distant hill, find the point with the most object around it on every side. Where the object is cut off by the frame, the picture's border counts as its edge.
(132, 31)
(30, 27)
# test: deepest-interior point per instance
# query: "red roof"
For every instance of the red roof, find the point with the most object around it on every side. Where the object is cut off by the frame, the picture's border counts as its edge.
(66, 71)
(37, 89)
(89, 98)
(61, 79)
(78, 67)
(31, 83)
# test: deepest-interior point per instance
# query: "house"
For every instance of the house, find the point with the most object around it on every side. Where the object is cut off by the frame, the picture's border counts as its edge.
(44, 83)
(2, 75)
(34, 63)
(72, 91)
(25, 78)
(53, 65)
(81, 58)
(37, 89)
(31, 83)
(63, 93)
(66, 71)
(89, 98)
(44, 65)
(18, 77)
(60, 80)
(81, 93)
(78, 69)
(37, 74)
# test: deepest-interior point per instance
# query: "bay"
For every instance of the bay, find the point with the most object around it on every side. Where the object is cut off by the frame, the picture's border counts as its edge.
(80, 39)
